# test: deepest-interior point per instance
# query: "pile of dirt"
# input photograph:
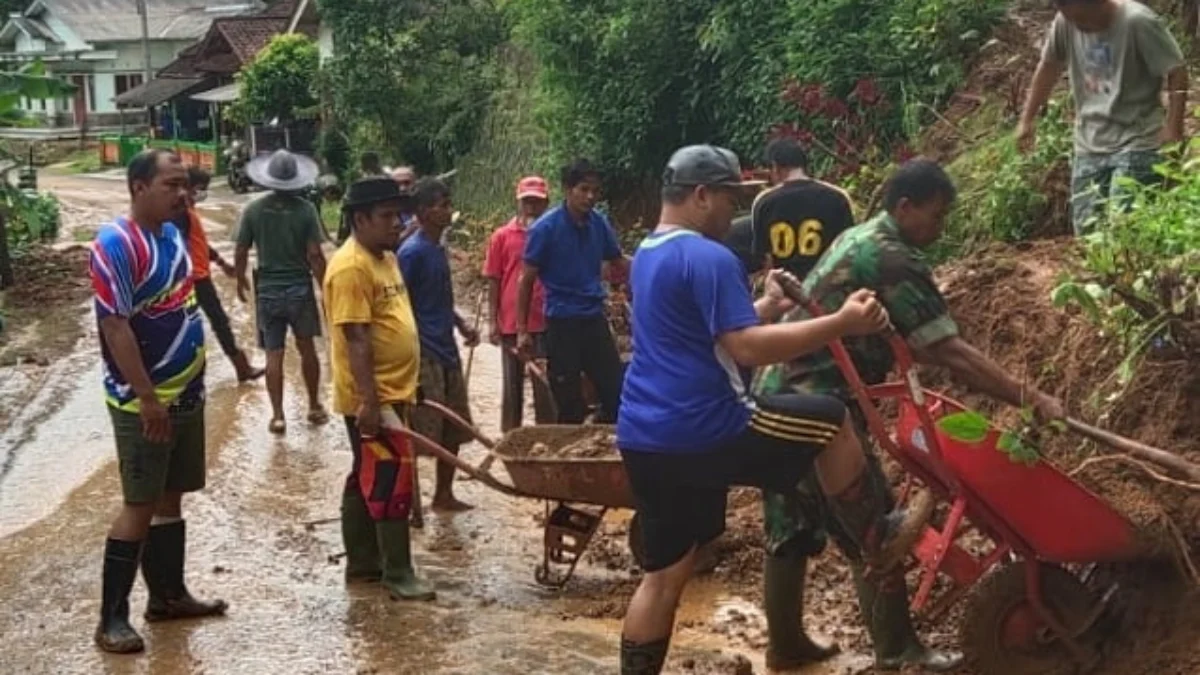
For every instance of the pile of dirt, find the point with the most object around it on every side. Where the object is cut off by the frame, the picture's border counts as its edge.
(597, 444)
(1001, 299)
(47, 298)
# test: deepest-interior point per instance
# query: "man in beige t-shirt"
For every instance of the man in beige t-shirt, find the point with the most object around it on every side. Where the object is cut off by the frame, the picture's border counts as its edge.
(1119, 57)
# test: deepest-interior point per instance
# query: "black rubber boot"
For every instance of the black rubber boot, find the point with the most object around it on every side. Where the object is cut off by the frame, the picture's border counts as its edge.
(358, 536)
(646, 658)
(115, 634)
(788, 646)
(884, 606)
(398, 573)
(162, 568)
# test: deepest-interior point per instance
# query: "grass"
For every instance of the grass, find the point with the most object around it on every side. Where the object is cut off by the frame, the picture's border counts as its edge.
(83, 161)
(331, 216)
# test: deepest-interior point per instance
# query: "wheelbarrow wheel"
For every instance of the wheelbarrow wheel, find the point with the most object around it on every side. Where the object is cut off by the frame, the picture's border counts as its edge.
(1002, 635)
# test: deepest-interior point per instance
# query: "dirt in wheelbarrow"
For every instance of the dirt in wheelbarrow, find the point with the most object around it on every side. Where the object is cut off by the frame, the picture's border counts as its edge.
(592, 444)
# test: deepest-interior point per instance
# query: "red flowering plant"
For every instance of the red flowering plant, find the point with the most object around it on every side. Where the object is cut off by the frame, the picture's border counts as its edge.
(844, 130)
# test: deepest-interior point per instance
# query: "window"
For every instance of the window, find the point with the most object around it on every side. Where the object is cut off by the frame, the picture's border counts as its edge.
(91, 93)
(127, 82)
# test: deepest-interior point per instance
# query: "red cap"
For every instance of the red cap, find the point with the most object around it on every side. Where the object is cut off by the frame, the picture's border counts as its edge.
(532, 186)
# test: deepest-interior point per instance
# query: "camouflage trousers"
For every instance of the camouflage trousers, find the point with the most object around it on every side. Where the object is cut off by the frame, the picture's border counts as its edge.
(1100, 183)
(802, 519)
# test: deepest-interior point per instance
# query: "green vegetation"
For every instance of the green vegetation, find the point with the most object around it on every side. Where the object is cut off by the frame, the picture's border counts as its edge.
(848, 76)
(1003, 194)
(1140, 275)
(415, 79)
(32, 218)
(280, 82)
(84, 161)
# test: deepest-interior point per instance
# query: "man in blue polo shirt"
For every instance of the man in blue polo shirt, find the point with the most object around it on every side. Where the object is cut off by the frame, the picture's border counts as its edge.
(688, 430)
(565, 249)
(426, 272)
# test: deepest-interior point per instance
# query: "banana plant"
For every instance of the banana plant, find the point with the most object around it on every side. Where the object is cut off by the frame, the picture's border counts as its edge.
(31, 82)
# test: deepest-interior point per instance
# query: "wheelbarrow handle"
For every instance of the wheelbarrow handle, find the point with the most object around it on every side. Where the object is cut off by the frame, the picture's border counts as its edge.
(458, 420)
(459, 463)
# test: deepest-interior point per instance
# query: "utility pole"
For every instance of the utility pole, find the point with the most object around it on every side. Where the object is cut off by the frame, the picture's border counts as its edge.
(143, 13)
(148, 72)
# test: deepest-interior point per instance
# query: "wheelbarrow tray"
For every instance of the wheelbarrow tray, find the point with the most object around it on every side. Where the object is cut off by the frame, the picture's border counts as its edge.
(1059, 519)
(586, 480)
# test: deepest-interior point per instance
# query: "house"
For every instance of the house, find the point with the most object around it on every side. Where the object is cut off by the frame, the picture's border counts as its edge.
(186, 91)
(97, 45)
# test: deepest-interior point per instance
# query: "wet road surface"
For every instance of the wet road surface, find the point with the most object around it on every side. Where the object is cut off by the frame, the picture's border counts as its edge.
(289, 609)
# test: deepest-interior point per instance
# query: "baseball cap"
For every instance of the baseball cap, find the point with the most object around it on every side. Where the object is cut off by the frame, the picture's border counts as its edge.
(706, 165)
(532, 186)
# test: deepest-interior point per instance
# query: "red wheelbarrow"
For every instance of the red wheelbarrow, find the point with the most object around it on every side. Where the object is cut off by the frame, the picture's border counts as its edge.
(1027, 613)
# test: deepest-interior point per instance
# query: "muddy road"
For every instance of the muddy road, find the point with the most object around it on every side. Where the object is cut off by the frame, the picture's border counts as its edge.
(248, 543)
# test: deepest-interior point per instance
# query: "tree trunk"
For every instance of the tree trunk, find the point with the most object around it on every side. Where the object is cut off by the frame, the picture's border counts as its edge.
(6, 270)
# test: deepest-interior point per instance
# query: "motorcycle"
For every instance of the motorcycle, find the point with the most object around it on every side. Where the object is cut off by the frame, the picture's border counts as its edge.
(236, 159)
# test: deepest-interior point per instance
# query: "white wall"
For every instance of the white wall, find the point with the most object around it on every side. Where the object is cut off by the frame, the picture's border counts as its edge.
(130, 58)
(105, 88)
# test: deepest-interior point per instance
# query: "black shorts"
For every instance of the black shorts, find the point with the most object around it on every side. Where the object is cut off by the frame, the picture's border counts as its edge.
(680, 496)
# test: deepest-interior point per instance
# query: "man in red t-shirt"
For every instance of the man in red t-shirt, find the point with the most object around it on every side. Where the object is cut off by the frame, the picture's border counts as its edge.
(503, 271)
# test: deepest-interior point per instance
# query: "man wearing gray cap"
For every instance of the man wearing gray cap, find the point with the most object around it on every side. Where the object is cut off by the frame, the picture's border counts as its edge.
(285, 229)
(688, 430)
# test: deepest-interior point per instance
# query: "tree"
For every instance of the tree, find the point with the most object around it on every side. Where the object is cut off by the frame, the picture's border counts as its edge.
(280, 82)
(420, 73)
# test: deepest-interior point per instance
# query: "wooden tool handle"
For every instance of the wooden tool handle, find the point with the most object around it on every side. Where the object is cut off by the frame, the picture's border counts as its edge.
(1163, 458)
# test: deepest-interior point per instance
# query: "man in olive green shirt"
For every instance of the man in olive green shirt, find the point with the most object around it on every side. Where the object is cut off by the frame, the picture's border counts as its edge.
(285, 230)
(1119, 56)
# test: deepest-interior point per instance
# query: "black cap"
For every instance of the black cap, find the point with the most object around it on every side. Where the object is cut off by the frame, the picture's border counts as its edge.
(705, 165)
(373, 190)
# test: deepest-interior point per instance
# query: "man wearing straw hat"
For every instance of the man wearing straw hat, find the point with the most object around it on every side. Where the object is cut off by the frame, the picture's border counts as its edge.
(375, 359)
(285, 229)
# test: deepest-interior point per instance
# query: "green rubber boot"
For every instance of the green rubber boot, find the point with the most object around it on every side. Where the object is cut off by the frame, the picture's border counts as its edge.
(788, 646)
(358, 536)
(883, 602)
(398, 573)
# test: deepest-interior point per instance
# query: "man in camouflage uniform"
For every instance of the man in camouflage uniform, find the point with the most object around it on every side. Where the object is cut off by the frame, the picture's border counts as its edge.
(883, 254)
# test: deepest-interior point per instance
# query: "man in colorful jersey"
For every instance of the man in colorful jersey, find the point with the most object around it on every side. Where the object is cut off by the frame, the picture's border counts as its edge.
(152, 342)
(687, 429)
(426, 271)
(202, 256)
(885, 256)
(565, 250)
(375, 356)
(502, 267)
(795, 221)
(1120, 57)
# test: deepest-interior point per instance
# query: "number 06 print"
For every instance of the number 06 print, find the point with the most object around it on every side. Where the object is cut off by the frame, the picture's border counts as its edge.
(787, 241)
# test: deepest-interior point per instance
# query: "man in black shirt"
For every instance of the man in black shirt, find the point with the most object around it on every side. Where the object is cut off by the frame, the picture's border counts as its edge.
(796, 220)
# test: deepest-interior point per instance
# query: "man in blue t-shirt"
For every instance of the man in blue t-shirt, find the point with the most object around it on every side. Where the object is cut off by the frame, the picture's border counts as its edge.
(565, 249)
(426, 272)
(688, 430)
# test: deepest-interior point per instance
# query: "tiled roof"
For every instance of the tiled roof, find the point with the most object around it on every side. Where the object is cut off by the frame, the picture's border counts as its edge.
(248, 35)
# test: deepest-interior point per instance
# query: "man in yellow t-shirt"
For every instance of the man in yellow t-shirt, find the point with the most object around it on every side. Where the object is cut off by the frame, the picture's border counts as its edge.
(375, 357)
